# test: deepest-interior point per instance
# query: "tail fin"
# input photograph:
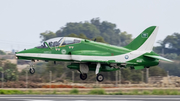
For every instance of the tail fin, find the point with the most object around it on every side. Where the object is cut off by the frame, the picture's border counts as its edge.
(145, 41)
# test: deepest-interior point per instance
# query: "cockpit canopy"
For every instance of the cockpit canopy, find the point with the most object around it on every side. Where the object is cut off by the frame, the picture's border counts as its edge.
(59, 41)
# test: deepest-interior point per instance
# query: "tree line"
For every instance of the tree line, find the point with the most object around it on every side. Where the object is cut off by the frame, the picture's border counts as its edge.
(104, 31)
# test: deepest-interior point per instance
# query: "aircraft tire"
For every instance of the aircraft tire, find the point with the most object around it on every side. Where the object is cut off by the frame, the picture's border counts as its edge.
(83, 76)
(99, 77)
(32, 70)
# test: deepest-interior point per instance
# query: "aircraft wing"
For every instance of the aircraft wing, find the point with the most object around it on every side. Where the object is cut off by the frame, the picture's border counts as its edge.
(96, 52)
(108, 62)
(158, 57)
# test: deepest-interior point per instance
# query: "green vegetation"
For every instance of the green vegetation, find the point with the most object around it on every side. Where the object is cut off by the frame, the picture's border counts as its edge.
(136, 75)
(10, 91)
(2, 52)
(157, 71)
(170, 44)
(154, 92)
(9, 70)
(173, 68)
(148, 92)
(117, 93)
(103, 32)
(97, 92)
(54, 92)
(74, 91)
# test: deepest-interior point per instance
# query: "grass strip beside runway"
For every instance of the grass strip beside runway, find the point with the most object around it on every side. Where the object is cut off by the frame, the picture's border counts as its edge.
(95, 92)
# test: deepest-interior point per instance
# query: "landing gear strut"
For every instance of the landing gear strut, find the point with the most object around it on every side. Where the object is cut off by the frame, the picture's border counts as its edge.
(83, 76)
(99, 77)
(31, 70)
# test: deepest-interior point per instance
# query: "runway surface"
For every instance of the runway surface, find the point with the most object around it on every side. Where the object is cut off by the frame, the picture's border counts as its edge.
(88, 98)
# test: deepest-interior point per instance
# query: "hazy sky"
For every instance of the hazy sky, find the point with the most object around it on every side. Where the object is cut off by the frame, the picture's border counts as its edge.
(22, 21)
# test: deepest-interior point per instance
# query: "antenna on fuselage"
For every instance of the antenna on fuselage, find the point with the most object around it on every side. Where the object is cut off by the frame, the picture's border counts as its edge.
(95, 39)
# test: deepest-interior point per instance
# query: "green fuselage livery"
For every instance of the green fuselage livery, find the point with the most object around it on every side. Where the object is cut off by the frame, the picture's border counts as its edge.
(86, 55)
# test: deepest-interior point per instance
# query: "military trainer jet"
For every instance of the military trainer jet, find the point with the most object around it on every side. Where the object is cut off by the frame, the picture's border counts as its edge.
(85, 55)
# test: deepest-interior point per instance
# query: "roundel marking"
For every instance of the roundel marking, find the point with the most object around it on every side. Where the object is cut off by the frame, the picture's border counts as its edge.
(144, 35)
(63, 51)
(126, 57)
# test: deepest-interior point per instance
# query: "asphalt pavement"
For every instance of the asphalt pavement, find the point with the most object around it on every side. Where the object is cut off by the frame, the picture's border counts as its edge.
(89, 98)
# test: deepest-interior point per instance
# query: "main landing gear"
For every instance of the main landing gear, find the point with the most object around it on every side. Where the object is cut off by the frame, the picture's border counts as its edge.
(83, 76)
(84, 69)
(99, 77)
(31, 70)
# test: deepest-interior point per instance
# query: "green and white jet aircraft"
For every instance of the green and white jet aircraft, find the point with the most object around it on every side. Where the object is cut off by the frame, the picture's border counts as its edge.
(86, 55)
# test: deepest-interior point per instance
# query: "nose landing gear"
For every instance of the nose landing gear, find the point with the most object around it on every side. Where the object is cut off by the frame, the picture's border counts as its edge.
(31, 70)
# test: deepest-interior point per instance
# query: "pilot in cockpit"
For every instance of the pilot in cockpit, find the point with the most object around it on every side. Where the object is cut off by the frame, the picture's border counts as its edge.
(60, 41)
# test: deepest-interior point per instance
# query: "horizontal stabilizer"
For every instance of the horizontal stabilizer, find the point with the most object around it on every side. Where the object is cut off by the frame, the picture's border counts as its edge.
(158, 57)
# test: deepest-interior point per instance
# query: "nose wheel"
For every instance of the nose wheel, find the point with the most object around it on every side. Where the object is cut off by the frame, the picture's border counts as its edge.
(99, 77)
(32, 70)
(83, 76)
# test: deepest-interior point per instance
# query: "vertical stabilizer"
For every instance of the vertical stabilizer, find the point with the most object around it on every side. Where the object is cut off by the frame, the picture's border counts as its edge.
(145, 41)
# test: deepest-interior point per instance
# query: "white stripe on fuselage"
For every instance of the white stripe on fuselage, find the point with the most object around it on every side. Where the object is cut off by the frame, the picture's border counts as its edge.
(118, 58)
